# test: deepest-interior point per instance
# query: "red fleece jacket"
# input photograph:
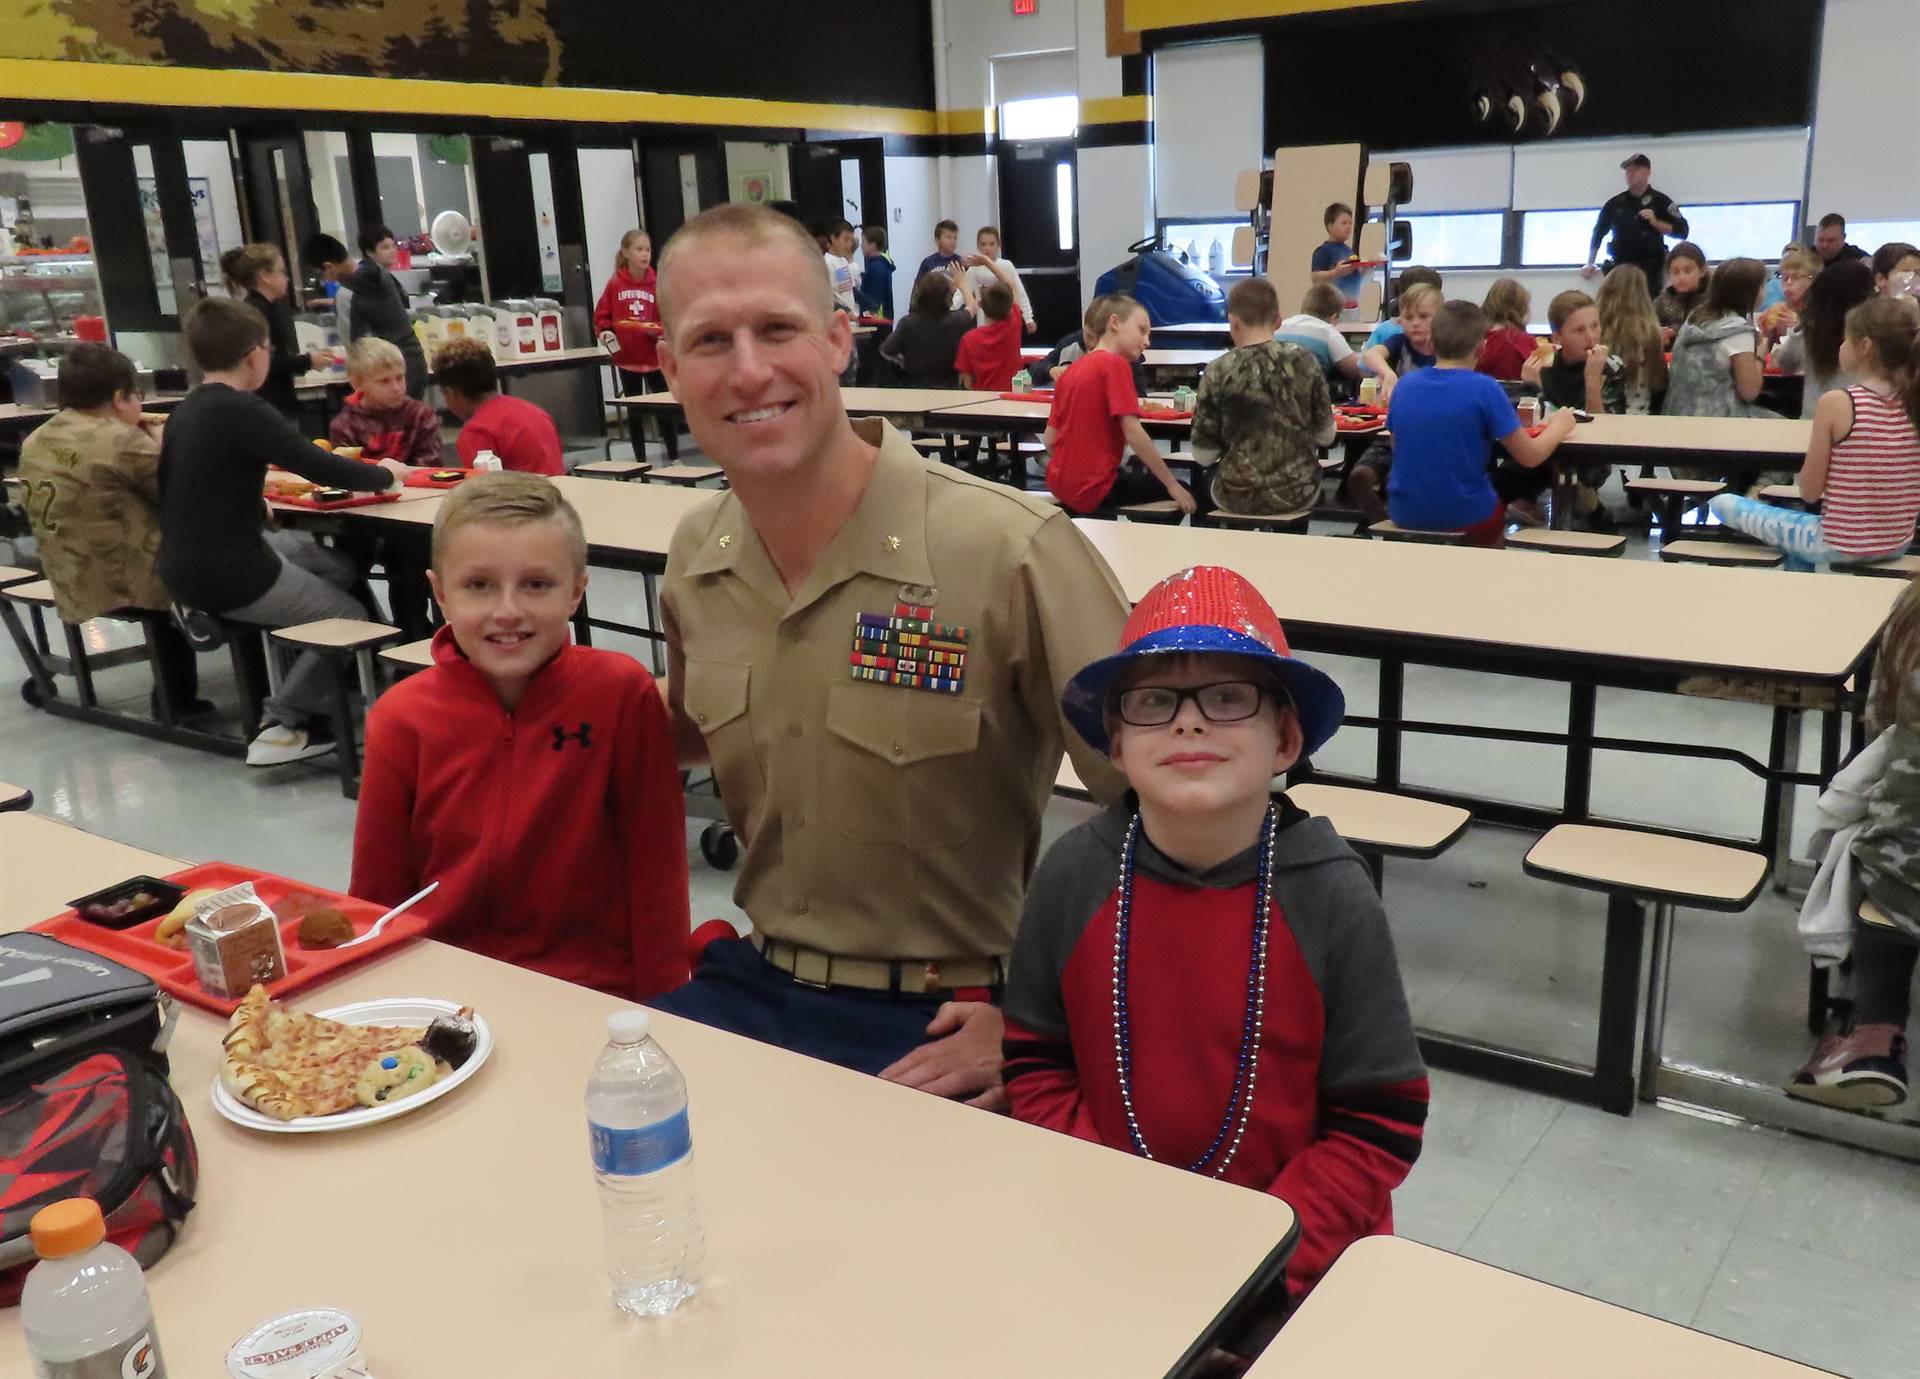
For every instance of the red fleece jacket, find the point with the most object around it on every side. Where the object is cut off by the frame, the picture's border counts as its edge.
(557, 832)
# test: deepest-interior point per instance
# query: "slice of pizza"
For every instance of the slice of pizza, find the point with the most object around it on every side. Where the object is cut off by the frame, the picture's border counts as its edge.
(288, 1064)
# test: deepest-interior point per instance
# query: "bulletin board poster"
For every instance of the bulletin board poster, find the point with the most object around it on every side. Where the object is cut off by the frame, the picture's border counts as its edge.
(752, 188)
(201, 191)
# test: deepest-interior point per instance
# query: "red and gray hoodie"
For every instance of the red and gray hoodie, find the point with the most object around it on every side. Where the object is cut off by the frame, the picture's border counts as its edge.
(557, 831)
(1340, 1096)
(409, 432)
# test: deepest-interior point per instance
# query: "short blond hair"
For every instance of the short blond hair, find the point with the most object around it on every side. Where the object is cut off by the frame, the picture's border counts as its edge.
(1799, 259)
(370, 355)
(508, 498)
(1420, 295)
(749, 227)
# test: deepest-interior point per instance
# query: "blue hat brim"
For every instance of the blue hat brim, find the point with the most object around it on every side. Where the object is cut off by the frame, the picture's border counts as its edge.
(1317, 700)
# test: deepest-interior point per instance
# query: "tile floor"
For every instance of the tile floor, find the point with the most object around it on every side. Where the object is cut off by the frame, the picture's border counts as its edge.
(1808, 1249)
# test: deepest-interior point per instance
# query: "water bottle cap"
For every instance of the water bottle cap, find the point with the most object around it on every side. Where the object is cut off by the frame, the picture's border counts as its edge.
(628, 1026)
(67, 1228)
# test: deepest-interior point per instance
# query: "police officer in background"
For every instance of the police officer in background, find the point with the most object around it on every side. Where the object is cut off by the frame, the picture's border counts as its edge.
(1639, 219)
(870, 650)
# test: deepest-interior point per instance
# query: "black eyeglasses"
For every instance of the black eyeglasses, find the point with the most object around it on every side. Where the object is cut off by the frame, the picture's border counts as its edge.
(1224, 701)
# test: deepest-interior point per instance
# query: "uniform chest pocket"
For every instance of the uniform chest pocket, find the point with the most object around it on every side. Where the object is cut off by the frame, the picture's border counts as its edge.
(715, 698)
(902, 770)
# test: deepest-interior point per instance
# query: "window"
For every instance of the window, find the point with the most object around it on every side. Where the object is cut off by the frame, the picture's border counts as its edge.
(1556, 239)
(1040, 117)
(1753, 230)
(1194, 240)
(1063, 202)
(1468, 240)
(1871, 234)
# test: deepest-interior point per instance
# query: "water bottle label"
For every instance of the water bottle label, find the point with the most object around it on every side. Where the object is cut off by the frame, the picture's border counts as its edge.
(135, 1359)
(647, 1150)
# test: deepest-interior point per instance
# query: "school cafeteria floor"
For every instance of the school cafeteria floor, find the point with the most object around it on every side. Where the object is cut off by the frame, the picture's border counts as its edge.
(1798, 1247)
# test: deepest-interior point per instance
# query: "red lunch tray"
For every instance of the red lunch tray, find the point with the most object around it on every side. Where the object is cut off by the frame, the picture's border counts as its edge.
(423, 478)
(1036, 396)
(1164, 414)
(172, 968)
(359, 500)
(1354, 425)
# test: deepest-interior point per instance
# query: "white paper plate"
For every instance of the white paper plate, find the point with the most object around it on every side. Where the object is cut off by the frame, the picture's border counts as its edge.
(402, 1010)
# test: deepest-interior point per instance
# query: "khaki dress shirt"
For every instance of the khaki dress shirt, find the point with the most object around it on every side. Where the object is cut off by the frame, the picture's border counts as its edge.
(882, 820)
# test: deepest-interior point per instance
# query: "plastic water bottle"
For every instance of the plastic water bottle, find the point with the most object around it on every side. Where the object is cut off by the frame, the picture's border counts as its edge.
(84, 1307)
(643, 1160)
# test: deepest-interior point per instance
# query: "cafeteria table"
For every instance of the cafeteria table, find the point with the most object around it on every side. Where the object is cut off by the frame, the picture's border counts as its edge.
(1741, 446)
(854, 1227)
(1454, 1318)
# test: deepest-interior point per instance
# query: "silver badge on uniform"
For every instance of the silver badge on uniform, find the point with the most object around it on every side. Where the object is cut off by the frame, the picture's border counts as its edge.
(920, 595)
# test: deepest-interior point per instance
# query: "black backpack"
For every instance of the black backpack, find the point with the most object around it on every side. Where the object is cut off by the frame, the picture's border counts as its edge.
(85, 1107)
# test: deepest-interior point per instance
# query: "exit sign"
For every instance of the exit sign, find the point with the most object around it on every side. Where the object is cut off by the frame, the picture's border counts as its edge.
(1024, 6)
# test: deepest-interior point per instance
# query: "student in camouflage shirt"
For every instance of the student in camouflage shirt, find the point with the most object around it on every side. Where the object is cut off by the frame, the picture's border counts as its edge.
(92, 475)
(1263, 412)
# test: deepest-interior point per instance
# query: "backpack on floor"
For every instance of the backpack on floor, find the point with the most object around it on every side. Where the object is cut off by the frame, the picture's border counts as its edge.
(85, 1108)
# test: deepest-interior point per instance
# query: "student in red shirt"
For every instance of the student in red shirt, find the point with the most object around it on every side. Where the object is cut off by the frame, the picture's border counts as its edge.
(1508, 345)
(1096, 420)
(520, 434)
(627, 319)
(533, 779)
(989, 354)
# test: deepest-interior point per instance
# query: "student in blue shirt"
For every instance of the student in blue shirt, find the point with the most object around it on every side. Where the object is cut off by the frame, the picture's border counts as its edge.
(946, 241)
(1338, 250)
(1446, 421)
(1411, 276)
(876, 280)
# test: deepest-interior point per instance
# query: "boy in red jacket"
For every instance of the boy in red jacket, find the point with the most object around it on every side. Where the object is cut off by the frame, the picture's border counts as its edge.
(627, 320)
(533, 779)
(1231, 1003)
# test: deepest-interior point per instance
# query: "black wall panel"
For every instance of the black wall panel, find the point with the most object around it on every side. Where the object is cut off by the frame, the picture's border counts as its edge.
(1406, 78)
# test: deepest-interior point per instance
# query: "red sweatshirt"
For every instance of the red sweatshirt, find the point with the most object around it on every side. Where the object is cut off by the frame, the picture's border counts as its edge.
(626, 305)
(556, 832)
(522, 435)
(1340, 1095)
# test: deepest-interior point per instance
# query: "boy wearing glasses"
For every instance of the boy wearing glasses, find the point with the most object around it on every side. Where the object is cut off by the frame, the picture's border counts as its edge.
(216, 554)
(1203, 975)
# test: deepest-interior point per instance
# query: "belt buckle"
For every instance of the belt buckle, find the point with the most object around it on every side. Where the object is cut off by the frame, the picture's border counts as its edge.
(800, 955)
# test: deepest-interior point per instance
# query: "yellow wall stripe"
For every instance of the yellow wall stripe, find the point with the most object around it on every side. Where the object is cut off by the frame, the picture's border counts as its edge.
(1142, 15)
(227, 88)
(1116, 110)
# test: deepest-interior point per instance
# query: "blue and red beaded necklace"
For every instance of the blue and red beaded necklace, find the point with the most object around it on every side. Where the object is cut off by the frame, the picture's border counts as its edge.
(1241, 1098)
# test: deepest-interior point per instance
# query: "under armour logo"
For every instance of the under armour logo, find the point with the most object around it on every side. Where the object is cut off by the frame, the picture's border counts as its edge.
(584, 737)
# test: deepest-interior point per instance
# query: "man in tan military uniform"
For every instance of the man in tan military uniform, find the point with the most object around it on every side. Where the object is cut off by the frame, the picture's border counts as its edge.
(870, 649)
(92, 475)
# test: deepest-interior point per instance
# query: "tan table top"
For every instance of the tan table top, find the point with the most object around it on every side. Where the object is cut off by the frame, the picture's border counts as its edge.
(997, 408)
(860, 402)
(632, 518)
(1638, 610)
(1649, 863)
(45, 863)
(883, 402)
(853, 1227)
(1735, 435)
(1457, 1319)
(580, 355)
